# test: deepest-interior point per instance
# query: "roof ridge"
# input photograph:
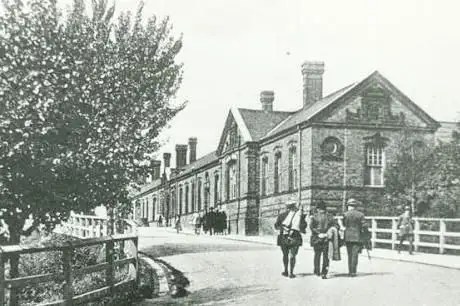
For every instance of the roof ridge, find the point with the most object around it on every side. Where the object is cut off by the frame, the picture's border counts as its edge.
(261, 110)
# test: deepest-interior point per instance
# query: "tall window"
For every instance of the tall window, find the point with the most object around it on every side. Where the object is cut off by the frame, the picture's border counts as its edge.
(231, 180)
(154, 207)
(216, 188)
(277, 173)
(292, 171)
(186, 198)
(193, 196)
(206, 191)
(375, 160)
(199, 194)
(264, 174)
(181, 203)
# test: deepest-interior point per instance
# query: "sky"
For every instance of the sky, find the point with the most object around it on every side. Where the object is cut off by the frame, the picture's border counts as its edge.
(234, 49)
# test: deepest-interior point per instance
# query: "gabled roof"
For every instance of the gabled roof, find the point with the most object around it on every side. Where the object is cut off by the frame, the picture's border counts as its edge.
(201, 162)
(305, 114)
(260, 122)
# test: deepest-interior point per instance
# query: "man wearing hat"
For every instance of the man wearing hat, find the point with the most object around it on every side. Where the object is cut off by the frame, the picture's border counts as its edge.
(406, 229)
(319, 225)
(291, 224)
(353, 222)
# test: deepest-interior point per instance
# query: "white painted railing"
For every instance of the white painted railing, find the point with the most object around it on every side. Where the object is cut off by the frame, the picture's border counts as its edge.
(86, 226)
(389, 226)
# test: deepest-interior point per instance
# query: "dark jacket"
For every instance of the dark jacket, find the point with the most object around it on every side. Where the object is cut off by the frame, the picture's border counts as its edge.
(319, 224)
(353, 221)
(405, 225)
(296, 235)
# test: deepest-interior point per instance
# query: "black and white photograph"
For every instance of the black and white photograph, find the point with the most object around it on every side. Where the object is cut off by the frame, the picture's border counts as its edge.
(217, 152)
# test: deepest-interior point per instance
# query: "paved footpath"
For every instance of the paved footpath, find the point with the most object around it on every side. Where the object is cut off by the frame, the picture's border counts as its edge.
(236, 270)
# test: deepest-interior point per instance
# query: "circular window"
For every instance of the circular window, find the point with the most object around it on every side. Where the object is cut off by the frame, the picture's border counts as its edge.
(332, 148)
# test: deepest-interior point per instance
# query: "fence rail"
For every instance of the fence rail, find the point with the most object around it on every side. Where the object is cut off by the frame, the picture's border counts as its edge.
(85, 226)
(68, 273)
(437, 230)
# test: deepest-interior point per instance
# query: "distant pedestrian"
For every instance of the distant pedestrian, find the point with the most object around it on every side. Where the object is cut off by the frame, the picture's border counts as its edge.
(177, 224)
(160, 221)
(353, 222)
(196, 223)
(406, 230)
(291, 224)
(4, 232)
(320, 223)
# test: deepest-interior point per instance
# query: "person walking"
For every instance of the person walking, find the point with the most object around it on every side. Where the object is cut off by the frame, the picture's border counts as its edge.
(4, 232)
(406, 230)
(291, 224)
(353, 222)
(196, 223)
(320, 223)
(177, 224)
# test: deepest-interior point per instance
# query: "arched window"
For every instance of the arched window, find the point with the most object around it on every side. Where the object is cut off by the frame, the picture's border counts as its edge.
(277, 173)
(199, 193)
(375, 162)
(292, 169)
(264, 176)
(216, 188)
(193, 196)
(181, 203)
(154, 208)
(231, 180)
(186, 199)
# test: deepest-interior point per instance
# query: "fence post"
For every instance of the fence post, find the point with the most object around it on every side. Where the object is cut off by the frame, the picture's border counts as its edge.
(2, 279)
(136, 246)
(416, 234)
(67, 263)
(394, 228)
(374, 232)
(109, 259)
(442, 237)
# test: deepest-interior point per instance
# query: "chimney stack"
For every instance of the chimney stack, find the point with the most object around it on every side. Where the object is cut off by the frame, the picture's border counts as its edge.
(156, 165)
(192, 141)
(312, 73)
(181, 156)
(167, 160)
(266, 98)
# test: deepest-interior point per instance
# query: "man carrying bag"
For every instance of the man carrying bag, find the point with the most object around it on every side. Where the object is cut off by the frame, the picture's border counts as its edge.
(291, 224)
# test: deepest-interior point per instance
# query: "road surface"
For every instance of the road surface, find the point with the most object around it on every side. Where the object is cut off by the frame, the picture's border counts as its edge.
(226, 272)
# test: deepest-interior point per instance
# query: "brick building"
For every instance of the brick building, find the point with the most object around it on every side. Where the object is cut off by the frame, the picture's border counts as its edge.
(332, 148)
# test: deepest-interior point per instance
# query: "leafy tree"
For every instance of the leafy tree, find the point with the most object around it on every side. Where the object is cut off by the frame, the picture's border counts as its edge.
(82, 101)
(427, 177)
(405, 178)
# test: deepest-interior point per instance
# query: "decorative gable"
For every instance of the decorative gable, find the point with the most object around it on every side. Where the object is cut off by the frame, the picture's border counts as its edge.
(375, 101)
(375, 108)
(234, 134)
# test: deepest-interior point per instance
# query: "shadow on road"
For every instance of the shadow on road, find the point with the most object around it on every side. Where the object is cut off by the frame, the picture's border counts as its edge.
(213, 296)
(360, 274)
(170, 249)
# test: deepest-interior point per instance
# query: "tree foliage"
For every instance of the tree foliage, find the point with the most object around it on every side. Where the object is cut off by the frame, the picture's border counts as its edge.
(427, 175)
(83, 98)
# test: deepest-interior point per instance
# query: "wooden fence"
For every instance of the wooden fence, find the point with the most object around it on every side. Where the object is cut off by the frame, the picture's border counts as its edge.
(69, 273)
(85, 226)
(441, 234)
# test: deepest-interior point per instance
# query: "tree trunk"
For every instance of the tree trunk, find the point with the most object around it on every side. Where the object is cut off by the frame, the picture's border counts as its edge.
(15, 237)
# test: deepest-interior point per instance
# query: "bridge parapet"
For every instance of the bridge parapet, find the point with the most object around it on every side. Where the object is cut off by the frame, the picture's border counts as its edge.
(87, 226)
(439, 233)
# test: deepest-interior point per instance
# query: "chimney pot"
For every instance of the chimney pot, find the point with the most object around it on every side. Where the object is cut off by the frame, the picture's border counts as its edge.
(167, 160)
(312, 72)
(156, 165)
(266, 98)
(181, 156)
(192, 141)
